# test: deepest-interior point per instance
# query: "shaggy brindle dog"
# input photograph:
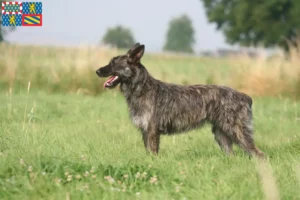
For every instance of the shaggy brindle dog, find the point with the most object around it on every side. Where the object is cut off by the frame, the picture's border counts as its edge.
(158, 108)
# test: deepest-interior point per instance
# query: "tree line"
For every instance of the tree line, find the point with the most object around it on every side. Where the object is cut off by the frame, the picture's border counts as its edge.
(248, 23)
(179, 37)
(272, 23)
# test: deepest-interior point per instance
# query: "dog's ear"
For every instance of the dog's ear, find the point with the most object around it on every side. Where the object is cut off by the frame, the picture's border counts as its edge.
(132, 49)
(136, 55)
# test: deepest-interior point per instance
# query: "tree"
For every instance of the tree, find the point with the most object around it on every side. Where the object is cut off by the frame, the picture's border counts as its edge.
(180, 35)
(251, 23)
(119, 37)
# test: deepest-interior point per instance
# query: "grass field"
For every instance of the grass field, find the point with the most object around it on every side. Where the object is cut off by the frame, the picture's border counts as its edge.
(92, 140)
(61, 144)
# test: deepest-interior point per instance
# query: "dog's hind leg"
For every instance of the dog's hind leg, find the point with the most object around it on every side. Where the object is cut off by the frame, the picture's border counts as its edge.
(223, 140)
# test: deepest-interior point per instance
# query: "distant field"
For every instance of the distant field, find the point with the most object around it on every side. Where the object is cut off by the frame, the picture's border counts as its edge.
(60, 141)
(72, 70)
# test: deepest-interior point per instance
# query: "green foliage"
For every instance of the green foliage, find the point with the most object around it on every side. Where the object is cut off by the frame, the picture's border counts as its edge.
(119, 37)
(180, 35)
(252, 23)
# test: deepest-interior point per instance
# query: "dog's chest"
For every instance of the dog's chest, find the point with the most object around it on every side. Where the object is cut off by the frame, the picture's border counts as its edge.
(140, 107)
(141, 114)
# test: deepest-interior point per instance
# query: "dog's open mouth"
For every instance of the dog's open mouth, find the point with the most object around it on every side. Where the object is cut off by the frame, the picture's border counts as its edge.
(112, 82)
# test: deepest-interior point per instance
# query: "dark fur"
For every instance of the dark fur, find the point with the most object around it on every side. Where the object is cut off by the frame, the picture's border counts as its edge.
(158, 108)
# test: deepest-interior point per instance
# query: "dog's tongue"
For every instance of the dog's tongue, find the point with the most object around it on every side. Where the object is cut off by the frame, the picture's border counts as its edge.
(107, 83)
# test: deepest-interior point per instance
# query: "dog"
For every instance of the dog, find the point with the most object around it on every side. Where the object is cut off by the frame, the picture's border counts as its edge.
(158, 108)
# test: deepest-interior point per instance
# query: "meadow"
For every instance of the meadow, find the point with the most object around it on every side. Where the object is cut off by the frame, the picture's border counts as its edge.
(64, 137)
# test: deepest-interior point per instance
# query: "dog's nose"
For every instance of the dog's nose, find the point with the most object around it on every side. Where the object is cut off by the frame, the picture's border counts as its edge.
(98, 72)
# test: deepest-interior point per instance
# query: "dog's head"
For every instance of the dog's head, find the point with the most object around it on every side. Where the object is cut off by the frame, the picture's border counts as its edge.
(122, 68)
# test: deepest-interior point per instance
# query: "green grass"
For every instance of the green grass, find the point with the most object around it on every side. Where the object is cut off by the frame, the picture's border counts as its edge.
(72, 134)
(57, 143)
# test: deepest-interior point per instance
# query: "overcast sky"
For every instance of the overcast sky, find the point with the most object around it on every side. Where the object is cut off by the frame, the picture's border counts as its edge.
(75, 22)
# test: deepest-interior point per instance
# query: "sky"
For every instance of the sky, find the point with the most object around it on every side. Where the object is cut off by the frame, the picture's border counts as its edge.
(77, 22)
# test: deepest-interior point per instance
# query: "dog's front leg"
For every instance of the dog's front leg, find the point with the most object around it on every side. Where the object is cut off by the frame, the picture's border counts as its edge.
(151, 141)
